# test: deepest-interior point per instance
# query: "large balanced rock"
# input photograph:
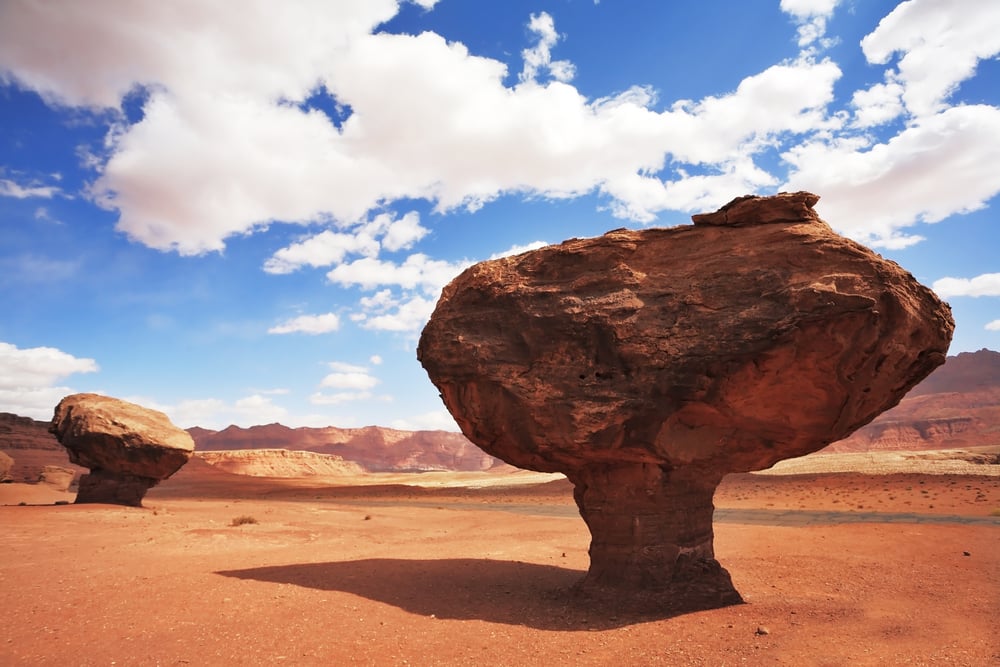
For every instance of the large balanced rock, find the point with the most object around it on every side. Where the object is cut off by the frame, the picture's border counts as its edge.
(646, 365)
(128, 448)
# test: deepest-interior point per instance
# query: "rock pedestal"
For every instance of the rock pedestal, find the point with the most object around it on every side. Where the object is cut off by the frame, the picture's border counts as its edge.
(651, 528)
(128, 448)
(646, 365)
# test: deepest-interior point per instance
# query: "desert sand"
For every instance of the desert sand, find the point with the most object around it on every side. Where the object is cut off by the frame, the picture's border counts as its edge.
(476, 569)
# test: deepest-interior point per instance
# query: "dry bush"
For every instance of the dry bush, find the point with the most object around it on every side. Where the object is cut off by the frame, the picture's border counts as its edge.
(243, 520)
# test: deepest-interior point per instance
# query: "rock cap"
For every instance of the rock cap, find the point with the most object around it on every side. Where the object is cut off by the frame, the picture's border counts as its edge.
(755, 210)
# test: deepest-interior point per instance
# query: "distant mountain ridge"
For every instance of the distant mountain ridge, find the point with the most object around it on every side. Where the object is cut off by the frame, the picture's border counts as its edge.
(374, 448)
(957, 406)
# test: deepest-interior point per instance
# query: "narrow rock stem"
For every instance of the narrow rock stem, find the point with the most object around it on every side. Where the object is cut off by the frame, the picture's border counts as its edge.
(101, 486)
(651, 528)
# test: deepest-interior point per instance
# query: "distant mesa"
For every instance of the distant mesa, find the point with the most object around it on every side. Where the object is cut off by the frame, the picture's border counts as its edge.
(280, 463)
(373, 448)
(646, 365)
(128, 448)
(957, 406)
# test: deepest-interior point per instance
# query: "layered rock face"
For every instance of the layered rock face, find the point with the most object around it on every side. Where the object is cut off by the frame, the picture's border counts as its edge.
(958, 406)
(128, 448)
(375, 448)
(279, 463)
(646, 365)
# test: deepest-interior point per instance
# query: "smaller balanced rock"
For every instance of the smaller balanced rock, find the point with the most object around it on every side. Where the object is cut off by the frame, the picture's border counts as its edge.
(128, 448)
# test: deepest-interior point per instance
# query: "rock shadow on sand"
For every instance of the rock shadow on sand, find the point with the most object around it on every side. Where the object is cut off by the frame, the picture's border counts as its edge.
(542, 597)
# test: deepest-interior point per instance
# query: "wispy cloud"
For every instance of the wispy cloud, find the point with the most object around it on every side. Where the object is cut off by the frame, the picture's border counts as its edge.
(436, 420)
(308, 324)
(9, 188)
(518, 249)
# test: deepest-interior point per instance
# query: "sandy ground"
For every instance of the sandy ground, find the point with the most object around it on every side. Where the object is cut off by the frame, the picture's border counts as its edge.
(463, 571)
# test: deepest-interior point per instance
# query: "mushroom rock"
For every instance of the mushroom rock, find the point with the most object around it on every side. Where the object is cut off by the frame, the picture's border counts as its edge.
(646, 365)
(128, 448)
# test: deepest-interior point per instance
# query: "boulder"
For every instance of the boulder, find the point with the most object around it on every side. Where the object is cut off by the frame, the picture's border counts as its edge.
(646, 365)
(128, 448)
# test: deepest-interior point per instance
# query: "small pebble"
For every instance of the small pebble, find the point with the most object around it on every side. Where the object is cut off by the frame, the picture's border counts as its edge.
(761, 630)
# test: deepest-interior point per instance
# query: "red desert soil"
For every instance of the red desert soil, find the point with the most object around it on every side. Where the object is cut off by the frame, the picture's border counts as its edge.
(386, 574)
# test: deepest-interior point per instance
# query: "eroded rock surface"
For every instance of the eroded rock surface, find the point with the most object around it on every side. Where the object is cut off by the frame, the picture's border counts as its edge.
(280, 463)
(646, 365)
(57, 477)
(6, 464)
(128, 448)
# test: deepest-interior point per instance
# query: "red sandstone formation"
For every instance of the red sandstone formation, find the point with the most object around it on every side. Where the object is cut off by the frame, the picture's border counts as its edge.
(32, 447)
(957, 406)
(646, 365)
(128, 448)
(375, 448)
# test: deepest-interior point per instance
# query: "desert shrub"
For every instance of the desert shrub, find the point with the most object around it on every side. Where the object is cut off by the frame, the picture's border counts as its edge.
(243, 520)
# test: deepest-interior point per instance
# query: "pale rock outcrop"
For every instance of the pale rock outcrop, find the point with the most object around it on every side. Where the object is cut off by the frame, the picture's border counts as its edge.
(646, 365)
(57, 477)
(6, 465)
(280, 463)
(128, 448)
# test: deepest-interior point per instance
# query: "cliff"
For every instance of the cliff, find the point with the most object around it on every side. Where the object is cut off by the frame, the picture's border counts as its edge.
(957, 406)
(375, 448)
(279, 463)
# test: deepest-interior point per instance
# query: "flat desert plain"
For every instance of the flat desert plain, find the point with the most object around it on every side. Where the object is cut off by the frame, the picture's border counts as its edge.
(839, 568)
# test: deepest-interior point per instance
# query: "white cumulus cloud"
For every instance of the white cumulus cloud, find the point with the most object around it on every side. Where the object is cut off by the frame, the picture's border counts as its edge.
(418, 271)
(987, 284)
(349, 381)
(940, 43)
(228, 144)
(931, 170)
(227, 147)
(308, 324)
(30, 378)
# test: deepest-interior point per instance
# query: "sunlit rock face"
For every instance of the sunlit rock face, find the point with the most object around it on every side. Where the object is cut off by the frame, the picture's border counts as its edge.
(128, 448)
(646, 365)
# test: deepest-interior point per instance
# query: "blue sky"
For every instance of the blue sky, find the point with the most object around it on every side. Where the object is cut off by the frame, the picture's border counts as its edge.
(246, 215)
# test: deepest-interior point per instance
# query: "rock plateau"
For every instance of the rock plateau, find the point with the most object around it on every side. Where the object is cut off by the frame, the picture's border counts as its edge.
(646, 365)
(375, 448)
(279, 463)
(127, 447)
